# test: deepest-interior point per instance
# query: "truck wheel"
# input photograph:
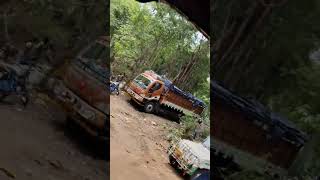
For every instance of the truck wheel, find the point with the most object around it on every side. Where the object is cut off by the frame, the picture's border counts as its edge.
(201, 174)
(149, 107)
(172, 161)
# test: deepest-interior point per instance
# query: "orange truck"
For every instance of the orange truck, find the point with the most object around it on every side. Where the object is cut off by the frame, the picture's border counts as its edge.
(157, 94)
(81, 87)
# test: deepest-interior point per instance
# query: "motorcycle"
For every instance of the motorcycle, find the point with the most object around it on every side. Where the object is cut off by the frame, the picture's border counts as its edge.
(114, 87)
(13, 80)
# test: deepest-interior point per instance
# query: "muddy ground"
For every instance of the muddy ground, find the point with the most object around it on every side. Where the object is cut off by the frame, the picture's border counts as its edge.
(36, 144)
(138, 143)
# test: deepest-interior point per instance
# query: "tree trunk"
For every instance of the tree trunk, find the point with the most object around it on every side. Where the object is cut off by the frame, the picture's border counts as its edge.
(186, 69)
(236, 44)
(237, 66)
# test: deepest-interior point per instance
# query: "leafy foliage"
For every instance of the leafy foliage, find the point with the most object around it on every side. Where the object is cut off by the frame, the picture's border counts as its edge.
(154, 36)
(68, 24)
(190, 129)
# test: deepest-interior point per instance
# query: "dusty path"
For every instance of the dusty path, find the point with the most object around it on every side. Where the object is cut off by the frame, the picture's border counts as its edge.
(138, 145)
(36, 145)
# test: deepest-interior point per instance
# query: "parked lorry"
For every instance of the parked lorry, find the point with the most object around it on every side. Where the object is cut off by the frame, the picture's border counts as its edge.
(156, 93)
(81, 87)
(192, 158)
(254, 137)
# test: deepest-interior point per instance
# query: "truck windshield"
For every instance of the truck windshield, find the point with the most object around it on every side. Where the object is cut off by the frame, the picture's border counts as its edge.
(96, 58)
(142, 81)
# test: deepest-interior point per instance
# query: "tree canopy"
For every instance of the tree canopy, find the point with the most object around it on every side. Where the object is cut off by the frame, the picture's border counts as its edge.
(154, 36)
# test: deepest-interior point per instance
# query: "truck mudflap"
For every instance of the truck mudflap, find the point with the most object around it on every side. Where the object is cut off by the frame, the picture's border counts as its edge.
(88, 117)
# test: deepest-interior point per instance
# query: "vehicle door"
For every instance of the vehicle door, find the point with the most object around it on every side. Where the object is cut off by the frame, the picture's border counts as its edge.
(155, 89)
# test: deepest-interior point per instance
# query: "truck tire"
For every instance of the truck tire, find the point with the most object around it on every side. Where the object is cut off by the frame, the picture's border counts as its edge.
(201, 174)
(172, 161)
(149, 107)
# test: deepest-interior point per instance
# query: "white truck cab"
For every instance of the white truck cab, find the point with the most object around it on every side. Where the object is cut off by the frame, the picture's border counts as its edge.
(192, 158)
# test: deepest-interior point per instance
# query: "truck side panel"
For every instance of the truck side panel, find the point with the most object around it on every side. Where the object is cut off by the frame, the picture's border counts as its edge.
(173, 98)
(92, 90)
(233, 129)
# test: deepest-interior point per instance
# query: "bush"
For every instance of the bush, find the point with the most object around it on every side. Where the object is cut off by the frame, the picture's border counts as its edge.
(189, 129)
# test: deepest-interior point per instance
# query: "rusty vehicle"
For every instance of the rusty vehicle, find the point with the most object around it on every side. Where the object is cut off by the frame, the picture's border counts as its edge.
(81, 87)
(156, 93)
(257, 138)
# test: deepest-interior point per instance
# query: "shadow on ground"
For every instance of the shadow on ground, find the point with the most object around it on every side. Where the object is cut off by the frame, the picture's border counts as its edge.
(87, 144)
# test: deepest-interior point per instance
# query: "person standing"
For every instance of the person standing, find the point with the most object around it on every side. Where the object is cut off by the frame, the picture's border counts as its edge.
(28, 54)
(198, 128)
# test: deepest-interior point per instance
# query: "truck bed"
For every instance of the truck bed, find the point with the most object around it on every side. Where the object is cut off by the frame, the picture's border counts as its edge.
(180, 100)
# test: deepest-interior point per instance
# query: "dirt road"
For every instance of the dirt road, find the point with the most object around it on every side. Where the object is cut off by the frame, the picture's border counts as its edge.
(36, 145)
(138, 145)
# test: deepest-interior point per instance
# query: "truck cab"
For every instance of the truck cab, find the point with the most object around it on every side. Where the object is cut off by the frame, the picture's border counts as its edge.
(191, 158)
(81, 87)
(145, 88)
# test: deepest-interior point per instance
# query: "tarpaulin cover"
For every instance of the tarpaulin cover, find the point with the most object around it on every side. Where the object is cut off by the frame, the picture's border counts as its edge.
(196, 102)
(280, 126)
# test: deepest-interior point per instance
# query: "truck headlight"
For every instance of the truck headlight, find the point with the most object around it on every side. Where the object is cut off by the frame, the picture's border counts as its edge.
(87, 114)
(91, 115)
